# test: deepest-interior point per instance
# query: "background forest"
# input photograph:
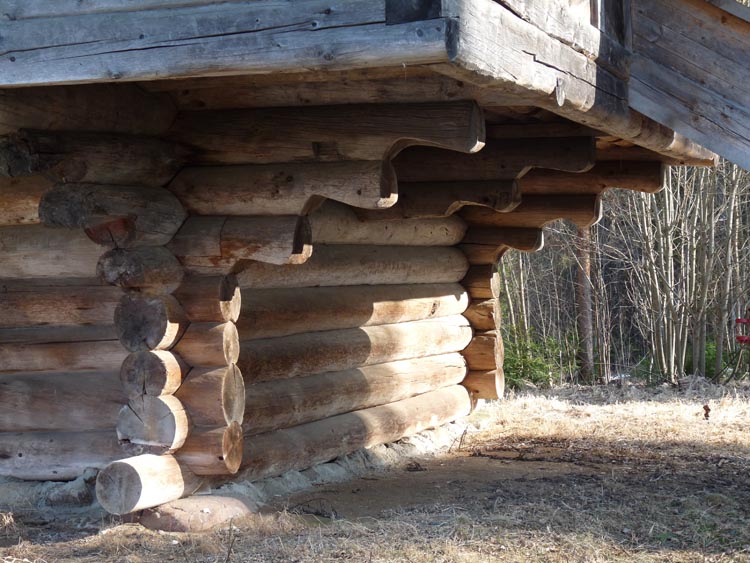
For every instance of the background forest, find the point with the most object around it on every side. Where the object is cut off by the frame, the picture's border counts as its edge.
(651, 291)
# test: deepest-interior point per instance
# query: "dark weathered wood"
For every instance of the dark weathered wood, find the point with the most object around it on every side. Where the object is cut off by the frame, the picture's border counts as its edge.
(268, 313)
(281, 404)
(209, 344)
(284, 189)
(647, 176)
(213, 451)
(103, 355)
(119, 216)
(210, 298)
(58, 334)
(485, 384)
(143, 481)
(325, 133)
(302, 446)
(397, 11)
(148, 269)
(19, 199)
(56, 456)
(335, 223)
(156, 372)
(225, 38)
(149, 322)
(122, 108)
(99, 158)
(338, 265)
(337, 350)
(213, 396)
(217, 243)
(60, 401)
(538, 210)
(36, 251)
(155, 425)
(499, 159)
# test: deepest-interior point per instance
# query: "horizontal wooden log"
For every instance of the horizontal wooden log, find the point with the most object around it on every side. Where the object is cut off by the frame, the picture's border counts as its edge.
(54, 306)
(489, 385)
(498, 160)
(220, 242)
(143, 481)
(486, 245)
(36, 251)
(119, 216)
(149, 322)
(56, 456)
(303, 446)
(335, 223)
(121, 108)
(340, 265)
(268, 313)
(337, 350)
(291, 188)
(482, 281)
(147, 269)
(104, 355)
(227, 39)
(154, 425)
(213, 451)
(210, 298)
(52, 333)
(326, 133)
(639, 176)
(209, 344)
(440, 199)
(98, 158)
(281, 404)
(482, 313)
(539, 210)
(60, 401)
(213, 396)
(156, 372)
(484, 352)
(199, 513)
(19, 199)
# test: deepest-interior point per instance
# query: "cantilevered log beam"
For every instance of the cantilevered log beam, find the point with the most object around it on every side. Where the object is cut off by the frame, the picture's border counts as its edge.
(538, 210)
(284, 189)
(485, 245)
(499, 159)
(646, 177)
(100, 158)
(228, 38)
(219, 242)
(326, 133)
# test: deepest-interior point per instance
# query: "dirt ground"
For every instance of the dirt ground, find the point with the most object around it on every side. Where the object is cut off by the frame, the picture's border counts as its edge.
(606, 474)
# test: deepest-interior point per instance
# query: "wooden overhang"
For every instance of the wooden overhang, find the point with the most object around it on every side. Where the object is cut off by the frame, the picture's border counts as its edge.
(569, 57)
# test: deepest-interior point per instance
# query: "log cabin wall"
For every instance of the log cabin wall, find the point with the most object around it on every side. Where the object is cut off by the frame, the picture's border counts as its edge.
(236, 292)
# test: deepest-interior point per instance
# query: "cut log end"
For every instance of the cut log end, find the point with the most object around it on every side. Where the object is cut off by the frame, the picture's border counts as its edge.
(155, 425)
(216, 451)
(148, 269)
(153, 373)
(149, 322)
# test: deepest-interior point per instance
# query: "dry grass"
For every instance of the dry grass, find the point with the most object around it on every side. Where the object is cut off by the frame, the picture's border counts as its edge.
(602, 475)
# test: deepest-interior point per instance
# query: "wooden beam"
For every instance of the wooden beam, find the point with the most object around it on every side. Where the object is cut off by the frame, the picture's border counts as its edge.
(291, 188)
(485, 245)
(489, 385)
(268, 313)
(326, 133)
(648, 176)
(227, 38)
(149, 269)
(499, 159)
(152, 424)
(538, 210)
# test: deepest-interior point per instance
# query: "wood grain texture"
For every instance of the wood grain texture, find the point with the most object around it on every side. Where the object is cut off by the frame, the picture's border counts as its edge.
(209, 344)
(642, 176)
(489, 385)
(213, 451)
(153, 425)
(281, 404)
(341, 265)
(102, 355)
(213, 396)
(535, 211)
(150, 322)
(244, 37)
(151, 270)
(284, 189)
(268, 313)
(153, 372)
(302, 446)
(210, 298)
(335, 350)
(19, 199)
(56, 456)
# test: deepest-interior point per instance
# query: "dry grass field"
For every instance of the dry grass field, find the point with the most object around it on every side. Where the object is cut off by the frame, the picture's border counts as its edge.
(568, 475)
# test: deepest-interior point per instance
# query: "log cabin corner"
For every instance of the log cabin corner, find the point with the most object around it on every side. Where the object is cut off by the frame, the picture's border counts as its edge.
(243, 237)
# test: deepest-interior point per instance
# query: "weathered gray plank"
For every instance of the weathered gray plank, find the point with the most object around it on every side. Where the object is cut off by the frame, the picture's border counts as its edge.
(238, 37)
(23, 9)
(690, 72)
(733, 7)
